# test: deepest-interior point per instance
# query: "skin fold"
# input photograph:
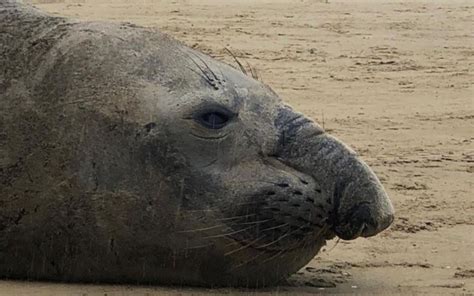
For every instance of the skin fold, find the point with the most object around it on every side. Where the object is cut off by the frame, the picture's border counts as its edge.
(126, 156)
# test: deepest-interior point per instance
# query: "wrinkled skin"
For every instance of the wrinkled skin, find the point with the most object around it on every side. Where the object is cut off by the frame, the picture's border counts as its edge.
(110, 172)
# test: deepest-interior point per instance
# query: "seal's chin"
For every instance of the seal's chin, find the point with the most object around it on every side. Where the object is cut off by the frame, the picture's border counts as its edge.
(279, 225)
(255, 265)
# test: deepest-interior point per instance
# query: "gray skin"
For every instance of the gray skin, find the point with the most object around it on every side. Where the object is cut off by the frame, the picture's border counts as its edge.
(126, 156)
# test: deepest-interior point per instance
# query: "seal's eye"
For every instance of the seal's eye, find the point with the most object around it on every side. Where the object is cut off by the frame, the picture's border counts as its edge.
(215, 118)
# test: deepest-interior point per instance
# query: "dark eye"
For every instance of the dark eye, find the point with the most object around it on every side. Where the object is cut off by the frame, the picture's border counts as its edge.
(213, 119)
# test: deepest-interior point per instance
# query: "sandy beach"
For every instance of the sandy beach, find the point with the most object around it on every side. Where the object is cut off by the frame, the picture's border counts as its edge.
(392, 79)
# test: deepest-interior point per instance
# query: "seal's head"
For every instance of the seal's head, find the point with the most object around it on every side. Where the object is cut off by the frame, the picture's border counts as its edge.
(156, 163)
(261, 187)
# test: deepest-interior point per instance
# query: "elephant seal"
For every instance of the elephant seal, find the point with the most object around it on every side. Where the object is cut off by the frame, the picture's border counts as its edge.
(129, 157)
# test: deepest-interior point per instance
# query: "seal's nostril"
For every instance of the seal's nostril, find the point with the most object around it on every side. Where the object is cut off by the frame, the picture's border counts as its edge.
(271, 193)
(304, 182)
(282, 185)
(362, 212)
(368, 230)
(297, 192)
(359, 221)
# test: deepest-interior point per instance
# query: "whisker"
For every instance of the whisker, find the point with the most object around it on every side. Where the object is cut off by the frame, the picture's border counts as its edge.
(199, 74)
(244, 246)
(274, 256)
(198, 247)
(324, 228)
(201, 229)
(207, 66)
(236, 217)
(202, 210)
(253, 72)
(247, 203)
(335, 245)
(210, 163)
(248, 261)
(242, 68)
(251, 223)
(275, 227)
(234, 242)
(283, 236)
(222, 74)
(208, 78)
(228, 234)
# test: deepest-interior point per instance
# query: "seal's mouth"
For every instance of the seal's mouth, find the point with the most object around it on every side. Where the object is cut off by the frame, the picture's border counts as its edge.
(280, 222)
(272, 244)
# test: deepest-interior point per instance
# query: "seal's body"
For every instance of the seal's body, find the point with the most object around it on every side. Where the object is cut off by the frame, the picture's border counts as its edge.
(127, 157)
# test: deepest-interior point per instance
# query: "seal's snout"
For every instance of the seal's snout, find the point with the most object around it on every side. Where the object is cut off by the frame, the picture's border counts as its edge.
(360, 205)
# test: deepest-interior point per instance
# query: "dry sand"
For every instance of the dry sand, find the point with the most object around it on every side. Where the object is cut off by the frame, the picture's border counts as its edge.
(393, 79)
